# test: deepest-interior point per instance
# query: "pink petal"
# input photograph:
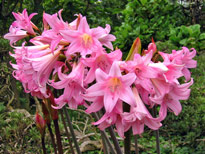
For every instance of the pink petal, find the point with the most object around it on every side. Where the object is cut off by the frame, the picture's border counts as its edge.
(187, 74)
(152, 124)
(115, 55)
(162, 112)
(120, 128)
(103, 118)
(83, 26)
(100, 75)
(175, 106)
(69, 35)
(95, 90)
(115, 70)
(137, 128)
(127, 96)
(128, 79)
(109, 102)
(95, 106)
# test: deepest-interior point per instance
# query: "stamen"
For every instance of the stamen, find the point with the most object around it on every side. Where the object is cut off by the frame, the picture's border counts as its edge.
(114, 84)
(87, 39)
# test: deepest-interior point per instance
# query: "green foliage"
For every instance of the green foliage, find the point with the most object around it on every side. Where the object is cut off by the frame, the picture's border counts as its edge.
(190, 37)
(147, 19)
(166, 46)
(159, 19)
(18, 129)
(4, 44)
(99, 12)
(186, 130)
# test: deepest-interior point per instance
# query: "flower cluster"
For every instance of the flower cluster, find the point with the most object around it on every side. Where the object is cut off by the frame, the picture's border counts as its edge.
(72, 57)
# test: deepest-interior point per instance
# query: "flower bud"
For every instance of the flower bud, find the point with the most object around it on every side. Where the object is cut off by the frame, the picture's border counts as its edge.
(40, 123)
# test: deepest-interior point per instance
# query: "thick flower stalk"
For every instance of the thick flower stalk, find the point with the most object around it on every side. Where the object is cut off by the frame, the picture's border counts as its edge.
(72, 58)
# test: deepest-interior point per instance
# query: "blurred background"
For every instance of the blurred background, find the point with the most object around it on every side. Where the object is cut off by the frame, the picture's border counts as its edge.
(171, 23)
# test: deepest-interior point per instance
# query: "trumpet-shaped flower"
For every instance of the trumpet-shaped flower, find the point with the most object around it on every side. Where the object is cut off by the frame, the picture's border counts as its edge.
(182, 57)
(54, 22)
(139, 116)
(34, 65)
(104, 37)
(15, 34)
(25, 73)
(113, 87)
(23, 21)
(72, 85)
(170, 98)
(103, 61)
(85, 40)
(144, 70)
(112, 118)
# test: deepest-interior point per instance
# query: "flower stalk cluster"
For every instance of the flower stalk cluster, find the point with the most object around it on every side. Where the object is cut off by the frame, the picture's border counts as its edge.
(73, 58)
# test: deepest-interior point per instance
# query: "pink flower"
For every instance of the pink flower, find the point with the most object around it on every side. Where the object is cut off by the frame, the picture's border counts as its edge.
(139, 116)
(44, 64)
(174, 72)
(112, 87)
(54, 22)
(101, 60)
(84, 40)
(72, 85)
(151, 47)
(34, 65)
(182, 57)
(15, 34)
(52, 36)
(112, 118)
(25, 73)
(23, 21)
(171, 95)
(104, 37)
(144, 70)
(187, 60)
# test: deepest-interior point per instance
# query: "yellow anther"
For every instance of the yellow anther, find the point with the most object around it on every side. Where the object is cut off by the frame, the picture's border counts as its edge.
(114, 83)
(87, 39)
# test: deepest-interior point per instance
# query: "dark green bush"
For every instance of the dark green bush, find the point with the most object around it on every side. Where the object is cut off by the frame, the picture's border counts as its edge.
(147, 19)
(190, 37)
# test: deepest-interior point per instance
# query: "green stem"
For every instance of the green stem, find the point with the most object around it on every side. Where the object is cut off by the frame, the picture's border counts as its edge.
(114, 139)
(58, 137)
(72, 131)
(104, 135)
(127, 142)
(43, 144)
(105, 150)
(136, 145)
(68, 135)
(156, 132)
(157, 141)
(52, 138)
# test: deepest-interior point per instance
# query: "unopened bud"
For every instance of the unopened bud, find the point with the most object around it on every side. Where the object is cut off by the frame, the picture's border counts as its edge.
(40, 123)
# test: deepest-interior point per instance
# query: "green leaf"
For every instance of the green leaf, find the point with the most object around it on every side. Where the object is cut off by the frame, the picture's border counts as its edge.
(195, 30)
(183, 42)
(143, 2)
(136, 48)
(202, 36)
